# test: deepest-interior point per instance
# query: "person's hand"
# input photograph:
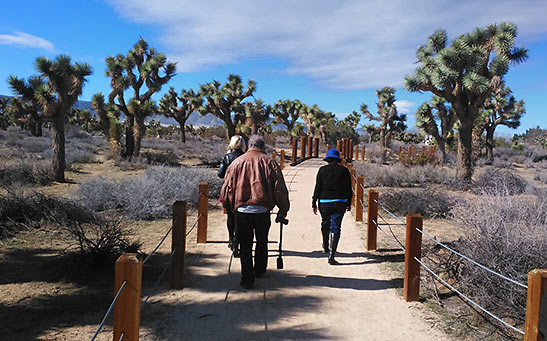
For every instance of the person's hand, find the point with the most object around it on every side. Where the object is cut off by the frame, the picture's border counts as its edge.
(314, 210)
(280, 218)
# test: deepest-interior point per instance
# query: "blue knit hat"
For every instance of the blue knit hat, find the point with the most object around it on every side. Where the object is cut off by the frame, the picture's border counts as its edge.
(333, 153)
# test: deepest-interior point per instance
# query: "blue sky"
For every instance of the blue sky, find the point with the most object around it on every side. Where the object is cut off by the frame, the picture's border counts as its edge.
(331, 53)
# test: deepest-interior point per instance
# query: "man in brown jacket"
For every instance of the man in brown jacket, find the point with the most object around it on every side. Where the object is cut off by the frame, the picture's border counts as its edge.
(253, 185)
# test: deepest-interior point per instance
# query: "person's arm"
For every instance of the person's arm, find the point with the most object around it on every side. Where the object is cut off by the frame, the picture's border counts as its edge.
(281, 193)
(347, 186)
(317, 190)
(223, 165)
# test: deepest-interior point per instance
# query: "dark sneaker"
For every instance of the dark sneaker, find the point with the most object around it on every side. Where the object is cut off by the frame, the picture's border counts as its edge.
(259, 274)
(326, 248)
(235, 253)
(333, 261)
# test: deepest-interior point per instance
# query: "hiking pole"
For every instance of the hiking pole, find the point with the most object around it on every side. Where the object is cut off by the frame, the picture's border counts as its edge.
(281, 221)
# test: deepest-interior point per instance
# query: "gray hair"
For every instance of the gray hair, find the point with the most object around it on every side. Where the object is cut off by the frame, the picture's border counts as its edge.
(257, 142)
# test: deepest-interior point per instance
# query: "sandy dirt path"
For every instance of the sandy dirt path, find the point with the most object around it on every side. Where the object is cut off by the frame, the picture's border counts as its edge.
(307, 300)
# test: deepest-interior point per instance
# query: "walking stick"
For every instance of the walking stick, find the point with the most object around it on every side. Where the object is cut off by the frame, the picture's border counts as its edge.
(281, 221)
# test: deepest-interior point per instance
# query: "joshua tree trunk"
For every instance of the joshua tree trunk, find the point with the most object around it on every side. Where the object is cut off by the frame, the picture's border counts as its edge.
(383, 144)
(140, 131)
(490, 144)
(465, 165)
(59, 162)
(476, 143)
(230, 128)
(442, 148)
(129, 139)
(182, 129)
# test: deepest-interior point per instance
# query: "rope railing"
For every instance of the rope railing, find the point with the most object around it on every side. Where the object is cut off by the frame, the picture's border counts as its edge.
(393, 237)
(161, 242)
(395, 242)
(108, 311)
(153, 291)
(472, 261)
(197, 220)
(467, 298)
(389, 212)
(121, 336)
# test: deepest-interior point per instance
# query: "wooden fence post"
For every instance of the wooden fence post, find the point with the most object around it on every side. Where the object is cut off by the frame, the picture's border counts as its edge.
(203, 210)
(303, 147)
(310, 146)
(274, 155)
(536, 306)
(294, 150)
(359, 203)
(353, 173)
(326, 148)
(363, 152)
(357, 152)
(282, 159)
(350, 149)
(127, 309)
(178, 245)
(316, 149)
(372, 219)
(413, 246)
(338, 146)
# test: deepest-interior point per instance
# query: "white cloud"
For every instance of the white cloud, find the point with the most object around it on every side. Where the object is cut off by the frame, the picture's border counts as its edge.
(404, 106)
(345, 45)
(22, 39)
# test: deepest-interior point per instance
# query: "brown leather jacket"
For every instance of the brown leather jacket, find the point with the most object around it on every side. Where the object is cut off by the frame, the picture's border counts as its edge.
(254, 178)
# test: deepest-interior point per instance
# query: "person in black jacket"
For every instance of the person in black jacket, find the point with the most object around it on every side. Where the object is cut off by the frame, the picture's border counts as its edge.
(237, 148)
(333, 192)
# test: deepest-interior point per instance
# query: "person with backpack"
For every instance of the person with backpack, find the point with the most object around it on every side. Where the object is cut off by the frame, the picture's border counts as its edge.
(333, 194)
(236, 149)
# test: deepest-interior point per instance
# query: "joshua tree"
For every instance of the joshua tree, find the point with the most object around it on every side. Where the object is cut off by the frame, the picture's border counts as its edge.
(465, 74)
(107, 117)
(501, 108)
(64, 82)
(353, 119)
(189, 102)
(390, 121)
(141, 71)
(257, 115)
(430, 115)
(4, 115)
(227, 100)
(26, 107)
(287, 112)
(371, 130)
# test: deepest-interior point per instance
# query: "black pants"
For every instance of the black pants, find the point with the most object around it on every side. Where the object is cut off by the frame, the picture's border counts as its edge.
(231, 223)
(250, 225)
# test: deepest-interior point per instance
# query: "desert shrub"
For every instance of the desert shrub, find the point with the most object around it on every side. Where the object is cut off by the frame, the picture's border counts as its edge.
(26, 172)
(427, 202)
(149, 195)
(19, 209)
(373, 152)
(410, 157)
(400, 176)
(507, 236)
(499, 181)
(100, 242)
(209, 152)
(160, 158)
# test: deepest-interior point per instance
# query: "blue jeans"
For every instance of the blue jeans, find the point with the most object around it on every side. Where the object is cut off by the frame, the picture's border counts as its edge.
(331, 216)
